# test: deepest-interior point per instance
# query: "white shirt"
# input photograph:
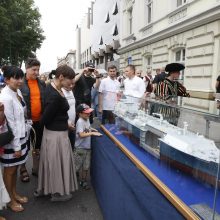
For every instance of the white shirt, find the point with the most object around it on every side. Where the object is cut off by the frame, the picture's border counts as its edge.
(14, 112)
(71, 101)
(109, 88)
(134, 87)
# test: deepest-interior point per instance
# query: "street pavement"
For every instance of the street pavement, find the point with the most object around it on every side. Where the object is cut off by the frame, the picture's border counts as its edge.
(83, 205)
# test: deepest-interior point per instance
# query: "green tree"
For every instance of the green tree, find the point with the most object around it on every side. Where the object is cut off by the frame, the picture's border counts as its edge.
(20, 31)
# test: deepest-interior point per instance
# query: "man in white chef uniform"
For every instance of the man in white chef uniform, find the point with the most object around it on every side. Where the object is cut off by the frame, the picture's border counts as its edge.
(133, 86)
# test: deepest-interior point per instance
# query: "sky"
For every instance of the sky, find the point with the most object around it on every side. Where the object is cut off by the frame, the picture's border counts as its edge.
(59, 20)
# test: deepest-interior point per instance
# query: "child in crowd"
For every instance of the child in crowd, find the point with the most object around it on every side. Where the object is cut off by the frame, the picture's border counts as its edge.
(83, 143)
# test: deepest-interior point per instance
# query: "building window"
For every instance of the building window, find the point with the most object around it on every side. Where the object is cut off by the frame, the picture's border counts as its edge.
(130, 21)
(147, 61)
(115, 11)
(149, 10)
(180, 56)
(112, 57)
(180, 2)
(115, 31)
(101, 41)
(129, 60)
(101, 60)
(97, 62)
(107, 18)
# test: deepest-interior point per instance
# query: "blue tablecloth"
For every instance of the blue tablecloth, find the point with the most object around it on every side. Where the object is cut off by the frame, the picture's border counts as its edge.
(189, 189)
(123, 192)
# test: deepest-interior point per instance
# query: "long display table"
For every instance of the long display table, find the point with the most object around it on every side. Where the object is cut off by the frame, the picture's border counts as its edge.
(123, 192)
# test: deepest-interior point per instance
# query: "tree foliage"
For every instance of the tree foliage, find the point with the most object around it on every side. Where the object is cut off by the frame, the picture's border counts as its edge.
(20, 31)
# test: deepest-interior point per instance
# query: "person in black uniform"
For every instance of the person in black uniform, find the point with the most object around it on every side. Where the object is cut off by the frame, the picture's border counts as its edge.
(84, 83)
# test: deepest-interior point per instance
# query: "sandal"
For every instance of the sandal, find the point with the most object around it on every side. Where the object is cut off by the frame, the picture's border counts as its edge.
(21, 199)
(16, 207)
(24, 176)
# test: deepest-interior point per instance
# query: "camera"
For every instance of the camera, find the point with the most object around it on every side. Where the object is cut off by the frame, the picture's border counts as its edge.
(91, 70)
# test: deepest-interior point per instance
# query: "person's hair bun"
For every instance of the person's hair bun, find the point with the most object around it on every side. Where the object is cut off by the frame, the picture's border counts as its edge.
(52, 73)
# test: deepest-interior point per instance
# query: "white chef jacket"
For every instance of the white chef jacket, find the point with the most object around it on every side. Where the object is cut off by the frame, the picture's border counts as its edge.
(134, 87)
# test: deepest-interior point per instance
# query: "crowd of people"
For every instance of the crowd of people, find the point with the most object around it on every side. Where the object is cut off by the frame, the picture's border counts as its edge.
(54, 119)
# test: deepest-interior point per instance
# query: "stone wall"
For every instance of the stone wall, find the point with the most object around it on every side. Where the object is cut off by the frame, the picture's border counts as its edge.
(202, 46)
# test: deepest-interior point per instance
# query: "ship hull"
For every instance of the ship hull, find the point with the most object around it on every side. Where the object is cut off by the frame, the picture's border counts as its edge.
(205, 171)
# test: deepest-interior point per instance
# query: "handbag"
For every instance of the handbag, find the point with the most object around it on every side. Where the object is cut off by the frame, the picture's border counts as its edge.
(7, 136)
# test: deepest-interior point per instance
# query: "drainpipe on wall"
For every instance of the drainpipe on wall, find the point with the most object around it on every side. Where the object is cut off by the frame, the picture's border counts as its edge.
(78, 47)
(88, 18)
(91, 13)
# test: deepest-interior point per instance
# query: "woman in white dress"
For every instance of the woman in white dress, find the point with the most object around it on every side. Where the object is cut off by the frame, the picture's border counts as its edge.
(15, 153)
(4, 197)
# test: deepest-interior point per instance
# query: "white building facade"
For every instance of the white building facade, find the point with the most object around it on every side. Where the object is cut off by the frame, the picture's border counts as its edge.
(105, 33)
(156, 32)
(83, 44)
(97, 37)
(69, 59)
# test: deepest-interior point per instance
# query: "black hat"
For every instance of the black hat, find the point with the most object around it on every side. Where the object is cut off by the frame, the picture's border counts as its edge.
(174, 67)
(90, 65)
(83, 108)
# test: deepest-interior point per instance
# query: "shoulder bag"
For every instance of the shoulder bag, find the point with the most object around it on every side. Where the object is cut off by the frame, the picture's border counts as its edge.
(7, 136)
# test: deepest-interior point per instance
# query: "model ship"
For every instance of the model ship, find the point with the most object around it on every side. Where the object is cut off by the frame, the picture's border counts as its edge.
(187, 151)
